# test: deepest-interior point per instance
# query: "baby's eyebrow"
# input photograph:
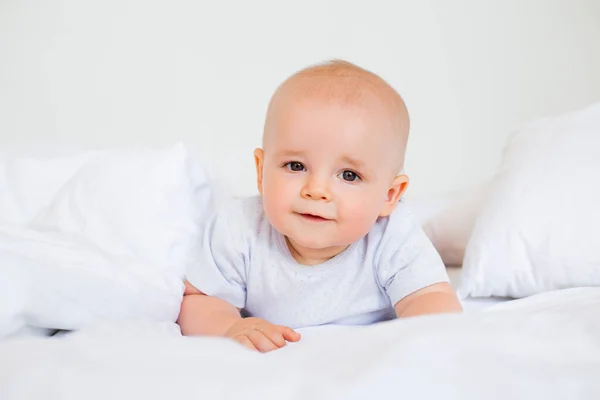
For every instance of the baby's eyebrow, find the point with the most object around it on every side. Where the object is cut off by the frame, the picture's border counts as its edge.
(355, 163)
(289, 153)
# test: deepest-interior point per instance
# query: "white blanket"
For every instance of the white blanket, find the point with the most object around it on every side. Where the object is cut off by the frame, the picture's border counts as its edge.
(54, 280)
(544, 347)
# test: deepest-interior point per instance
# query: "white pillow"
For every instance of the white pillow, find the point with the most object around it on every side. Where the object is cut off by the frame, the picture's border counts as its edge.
(146, 203)
(539, 227)
(30, 178)
(448, 220)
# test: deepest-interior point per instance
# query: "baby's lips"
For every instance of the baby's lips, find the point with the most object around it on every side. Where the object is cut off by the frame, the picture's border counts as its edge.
(315, 215)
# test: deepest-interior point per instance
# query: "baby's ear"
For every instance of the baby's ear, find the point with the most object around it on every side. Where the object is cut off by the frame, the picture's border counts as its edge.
(259, 156)
(396, 190)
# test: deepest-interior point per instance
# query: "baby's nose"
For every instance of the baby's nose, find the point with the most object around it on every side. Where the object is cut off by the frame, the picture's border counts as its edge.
(316, 189)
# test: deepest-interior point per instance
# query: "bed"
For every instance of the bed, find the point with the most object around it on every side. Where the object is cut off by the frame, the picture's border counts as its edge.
(95, 245)
(546, 347)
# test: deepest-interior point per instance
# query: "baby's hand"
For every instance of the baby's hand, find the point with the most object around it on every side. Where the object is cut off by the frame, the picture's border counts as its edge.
(261, 335)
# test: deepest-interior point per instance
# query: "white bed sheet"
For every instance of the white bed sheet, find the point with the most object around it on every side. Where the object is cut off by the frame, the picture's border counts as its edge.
(544, 347)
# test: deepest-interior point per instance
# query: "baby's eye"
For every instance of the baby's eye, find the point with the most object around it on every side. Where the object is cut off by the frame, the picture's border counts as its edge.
(295, 166)
(349, 176)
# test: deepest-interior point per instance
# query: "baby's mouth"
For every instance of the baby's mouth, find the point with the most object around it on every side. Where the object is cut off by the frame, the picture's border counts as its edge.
(312, 217)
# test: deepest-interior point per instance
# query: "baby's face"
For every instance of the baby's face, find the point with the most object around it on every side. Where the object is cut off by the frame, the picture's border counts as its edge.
(327, 171)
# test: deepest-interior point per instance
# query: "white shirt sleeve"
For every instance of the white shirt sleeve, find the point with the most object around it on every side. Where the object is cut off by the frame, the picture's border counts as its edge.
(408, 261)
(220, 270)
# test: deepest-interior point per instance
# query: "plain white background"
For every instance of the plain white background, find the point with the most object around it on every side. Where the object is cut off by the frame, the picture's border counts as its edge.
(134, 72)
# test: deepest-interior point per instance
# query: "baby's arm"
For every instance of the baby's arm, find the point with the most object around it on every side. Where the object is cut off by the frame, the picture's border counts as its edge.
(434, 299)
(210, 316)
(205, 315)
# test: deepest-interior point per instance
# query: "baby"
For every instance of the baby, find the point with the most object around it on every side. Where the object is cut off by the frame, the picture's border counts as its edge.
(329, 240)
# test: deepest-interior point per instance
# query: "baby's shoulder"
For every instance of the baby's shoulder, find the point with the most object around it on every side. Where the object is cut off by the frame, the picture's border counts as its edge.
(245, 215)
(395, 229)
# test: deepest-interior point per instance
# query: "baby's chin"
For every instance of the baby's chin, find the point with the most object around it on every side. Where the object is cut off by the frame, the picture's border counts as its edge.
(315, 243)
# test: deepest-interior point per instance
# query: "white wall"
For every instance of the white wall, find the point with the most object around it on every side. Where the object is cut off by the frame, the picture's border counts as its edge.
(153, 72)
(514, 60)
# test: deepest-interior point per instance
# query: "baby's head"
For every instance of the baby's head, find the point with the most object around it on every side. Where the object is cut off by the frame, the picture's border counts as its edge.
(333, 148)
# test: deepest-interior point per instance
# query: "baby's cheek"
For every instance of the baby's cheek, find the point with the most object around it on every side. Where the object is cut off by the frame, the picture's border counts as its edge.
(358, 217)
(273, 187)
(276, 201)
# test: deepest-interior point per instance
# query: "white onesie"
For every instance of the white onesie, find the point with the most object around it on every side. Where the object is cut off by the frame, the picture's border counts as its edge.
(246, 262)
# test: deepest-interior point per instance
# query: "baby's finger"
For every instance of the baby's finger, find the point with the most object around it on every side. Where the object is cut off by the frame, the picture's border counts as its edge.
(244, 340)
(289, 334)
(261, 342)
(273, 334)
